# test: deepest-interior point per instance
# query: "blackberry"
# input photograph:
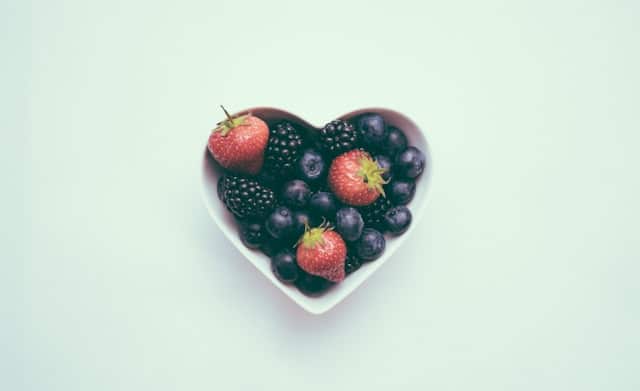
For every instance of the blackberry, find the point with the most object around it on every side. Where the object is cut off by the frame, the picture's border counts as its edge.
(338, 136)
(252, 234)
(220, 188)
(283, 149)
(245, 197)
(352, 263)
(373, 215)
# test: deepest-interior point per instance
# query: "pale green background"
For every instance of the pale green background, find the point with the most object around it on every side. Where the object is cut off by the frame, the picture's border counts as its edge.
(522, 276)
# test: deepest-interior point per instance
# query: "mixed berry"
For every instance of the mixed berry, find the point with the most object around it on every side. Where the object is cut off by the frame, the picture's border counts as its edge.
(317, 203)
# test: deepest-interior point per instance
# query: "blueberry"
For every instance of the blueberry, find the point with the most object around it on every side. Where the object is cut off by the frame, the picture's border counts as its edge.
(279, 224)
(284, 266)
(370, 245)
(349, 223)
(301, 219)
(311, 166)
(384, 162)
(395, 142)
(323, 204)
(410, 163)
(401, 191)
(371, 129)
(397, 219)
(311, 285)
(252, 234)
(296, 194)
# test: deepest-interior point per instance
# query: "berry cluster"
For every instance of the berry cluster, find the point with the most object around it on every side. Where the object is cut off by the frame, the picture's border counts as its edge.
(319, 207)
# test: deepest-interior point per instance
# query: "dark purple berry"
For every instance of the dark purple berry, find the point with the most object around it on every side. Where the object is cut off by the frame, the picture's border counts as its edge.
(349, 223)
(301, 219)
(311, 285)
(373, 214)
(296, 193)
(323, 204)
(279, 224)
(311, 166)
(283, 148)
(338, 136)
(246, 197)
(395, 142)
(370, 245)
(410, 163)
(371, 130)
(284, 266)
(401, 191)
(385, 163)
(252, 234)
(397, 220)
(352, 263)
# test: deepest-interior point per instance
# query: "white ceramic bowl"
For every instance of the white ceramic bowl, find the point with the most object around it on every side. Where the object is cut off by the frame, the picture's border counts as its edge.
(224, 219)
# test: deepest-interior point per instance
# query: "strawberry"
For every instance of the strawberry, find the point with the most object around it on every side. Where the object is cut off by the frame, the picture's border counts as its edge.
(322, 252)
(239, 142)
(355, 178)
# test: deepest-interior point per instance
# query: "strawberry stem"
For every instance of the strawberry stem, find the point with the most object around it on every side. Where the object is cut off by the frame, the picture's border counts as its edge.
(225, 126)
(371, 174)
(227, 114)
(314, 236)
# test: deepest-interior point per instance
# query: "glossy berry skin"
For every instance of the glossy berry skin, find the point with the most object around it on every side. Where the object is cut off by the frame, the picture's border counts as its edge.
(338, 136)
(349, 223)
(355, 178)
(352, 263)
(284, 266)
(296, 193)
(302, 219)
(311, 167)
(370, 245)
(371, 131)
(401, 191)
(252, 234)
(395, 141)
(397, 220)
(322, 252)
(245, 197)
(238, 144)
(283, 148)
(279, 224)
(311, 285)
(410, 163)
(386, 164)
(373, 215)
(323, 204)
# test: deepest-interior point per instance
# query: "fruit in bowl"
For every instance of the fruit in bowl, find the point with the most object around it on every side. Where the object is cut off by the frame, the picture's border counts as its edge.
(320, 203)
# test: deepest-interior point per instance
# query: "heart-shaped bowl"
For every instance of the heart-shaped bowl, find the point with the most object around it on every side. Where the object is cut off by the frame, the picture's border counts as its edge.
(211, 171)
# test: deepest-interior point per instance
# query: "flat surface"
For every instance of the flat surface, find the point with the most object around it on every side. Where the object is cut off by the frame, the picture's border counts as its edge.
(524, 271)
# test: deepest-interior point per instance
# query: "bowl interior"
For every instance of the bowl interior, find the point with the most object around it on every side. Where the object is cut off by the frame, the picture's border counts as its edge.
(211, 171)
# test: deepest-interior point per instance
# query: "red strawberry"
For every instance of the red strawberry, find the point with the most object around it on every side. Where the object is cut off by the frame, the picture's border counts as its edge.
(355, 178)
(322, 252)
(238, 143)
